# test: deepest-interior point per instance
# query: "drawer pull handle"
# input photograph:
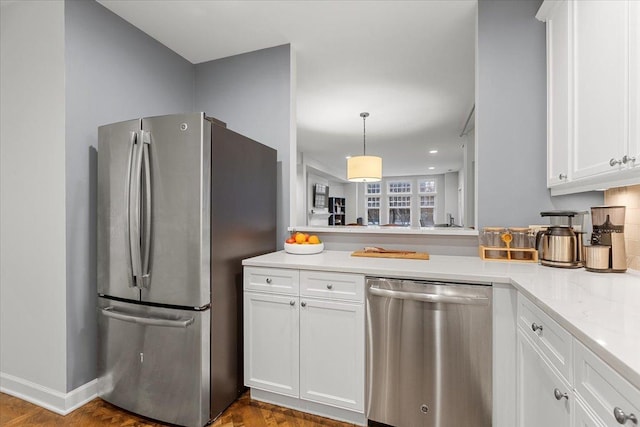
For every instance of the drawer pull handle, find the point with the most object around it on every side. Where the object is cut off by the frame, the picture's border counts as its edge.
(628, 159)
(304, 304)
(560, 395)
(268, 280)
(622, 418)
(329, 286)
(562, 176)
(535, 327)
(614, 162)
(292, 303)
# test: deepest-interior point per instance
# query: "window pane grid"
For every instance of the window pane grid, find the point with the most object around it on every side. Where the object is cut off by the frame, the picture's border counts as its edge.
(427, 201)
(427, 186)
(373, 202)
(400, 187)
(399, 201)
(373, 188)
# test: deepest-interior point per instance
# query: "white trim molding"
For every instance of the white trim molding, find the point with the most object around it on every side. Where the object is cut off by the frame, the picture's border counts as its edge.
(53, 400)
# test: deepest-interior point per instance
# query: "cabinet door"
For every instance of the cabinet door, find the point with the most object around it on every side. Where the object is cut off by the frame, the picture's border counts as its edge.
(584, 418)
(537, 384)
(634, 82)
(332, 353)
(601, 85)
(271, 342)
(558, 94)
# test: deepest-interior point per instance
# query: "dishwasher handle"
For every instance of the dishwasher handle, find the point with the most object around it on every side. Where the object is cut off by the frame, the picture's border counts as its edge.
(433, 298)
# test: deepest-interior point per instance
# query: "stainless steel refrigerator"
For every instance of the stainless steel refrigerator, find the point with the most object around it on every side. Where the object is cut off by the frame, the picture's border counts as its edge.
(181, 201)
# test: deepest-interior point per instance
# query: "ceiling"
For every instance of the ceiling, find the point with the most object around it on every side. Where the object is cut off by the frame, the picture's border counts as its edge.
(410, 64)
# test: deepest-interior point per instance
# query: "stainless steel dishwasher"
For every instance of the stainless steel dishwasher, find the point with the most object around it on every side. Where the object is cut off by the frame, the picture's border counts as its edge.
(429, 353)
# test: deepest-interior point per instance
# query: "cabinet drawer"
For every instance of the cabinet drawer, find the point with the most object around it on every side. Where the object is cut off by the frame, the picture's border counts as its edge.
(602, 388)
(275, 280)
(552, 340)
(322, 284)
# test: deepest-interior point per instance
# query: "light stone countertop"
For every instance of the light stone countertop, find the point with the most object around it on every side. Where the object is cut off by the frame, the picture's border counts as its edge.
(601, 310)
(376, 229)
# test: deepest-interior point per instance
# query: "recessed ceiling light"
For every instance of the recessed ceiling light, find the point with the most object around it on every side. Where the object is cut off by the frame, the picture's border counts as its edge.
(431, 168)
(433, 151)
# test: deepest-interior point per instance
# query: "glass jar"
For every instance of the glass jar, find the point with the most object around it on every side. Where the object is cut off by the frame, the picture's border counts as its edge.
(492, 238)
(522, 239)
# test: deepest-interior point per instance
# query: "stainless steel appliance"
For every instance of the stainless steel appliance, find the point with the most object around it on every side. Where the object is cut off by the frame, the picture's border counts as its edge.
(608, 230)
(429, 353)
(181, 201)
(560, 246)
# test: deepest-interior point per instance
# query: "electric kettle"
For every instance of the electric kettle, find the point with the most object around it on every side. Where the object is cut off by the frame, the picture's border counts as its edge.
(560, 246)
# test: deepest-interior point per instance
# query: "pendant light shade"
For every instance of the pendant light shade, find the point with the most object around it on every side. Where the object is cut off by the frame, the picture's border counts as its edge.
(364, 168)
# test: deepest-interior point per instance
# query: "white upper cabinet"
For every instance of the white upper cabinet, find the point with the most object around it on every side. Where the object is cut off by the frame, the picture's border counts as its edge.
(601, 83)
(558, 94)
(634, 84)
(593, 94)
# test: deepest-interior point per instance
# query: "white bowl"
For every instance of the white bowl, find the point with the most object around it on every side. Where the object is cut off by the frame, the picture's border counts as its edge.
(298, 249)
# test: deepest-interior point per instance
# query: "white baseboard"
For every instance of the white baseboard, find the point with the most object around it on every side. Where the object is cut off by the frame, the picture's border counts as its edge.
(53, 400)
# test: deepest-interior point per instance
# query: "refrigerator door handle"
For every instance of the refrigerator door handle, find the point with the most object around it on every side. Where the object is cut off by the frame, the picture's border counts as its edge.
(146, 240)
(149, 321)
(134, 211)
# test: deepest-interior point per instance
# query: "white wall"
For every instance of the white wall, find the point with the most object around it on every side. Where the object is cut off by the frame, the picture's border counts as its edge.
(511, 118)
(32, 197)
(114, 72)
(451, 196)
(252, 93)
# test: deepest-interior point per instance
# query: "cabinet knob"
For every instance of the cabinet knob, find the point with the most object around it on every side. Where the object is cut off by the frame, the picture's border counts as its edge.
(292, 302)
(304, 304)
(268, 280)
(614, 162)
(628, 159)
(560, 395)
(329, 286)
(535, 327)
(622, 418)
(562, 176)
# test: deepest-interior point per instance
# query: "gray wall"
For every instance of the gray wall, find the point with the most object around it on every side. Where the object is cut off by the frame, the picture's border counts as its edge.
(114, 72)
(511, 118)
(252, 94)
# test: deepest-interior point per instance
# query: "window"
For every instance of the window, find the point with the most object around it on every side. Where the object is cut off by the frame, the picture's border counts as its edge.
(427, 206)
(400, 210)
(427, 190)
(373, 210)
(373, 188)
(399, 187)
(402, 201)
(427, 186)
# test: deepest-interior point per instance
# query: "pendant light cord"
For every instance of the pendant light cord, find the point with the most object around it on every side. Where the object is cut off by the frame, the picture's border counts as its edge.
(364, 132)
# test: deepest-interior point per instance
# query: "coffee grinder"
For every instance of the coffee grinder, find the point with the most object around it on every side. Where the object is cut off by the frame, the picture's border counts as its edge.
(608, 230)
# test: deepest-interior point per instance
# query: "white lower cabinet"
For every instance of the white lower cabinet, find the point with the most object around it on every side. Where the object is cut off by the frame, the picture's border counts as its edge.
(306, 344)
(271, 342)
(560, 382)
(544, 399)
(583, 418)
(332, 353)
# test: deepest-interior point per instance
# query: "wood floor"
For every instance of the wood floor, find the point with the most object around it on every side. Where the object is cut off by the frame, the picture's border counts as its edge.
(242, 413)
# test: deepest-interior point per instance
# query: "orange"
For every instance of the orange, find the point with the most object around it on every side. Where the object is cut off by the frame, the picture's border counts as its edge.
(314, 239)
(300, 238)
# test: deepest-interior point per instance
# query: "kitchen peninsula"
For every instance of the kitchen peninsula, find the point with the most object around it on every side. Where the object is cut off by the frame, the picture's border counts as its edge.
(589, 319)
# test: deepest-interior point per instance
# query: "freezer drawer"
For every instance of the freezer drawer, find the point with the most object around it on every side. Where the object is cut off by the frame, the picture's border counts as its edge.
(155, 361)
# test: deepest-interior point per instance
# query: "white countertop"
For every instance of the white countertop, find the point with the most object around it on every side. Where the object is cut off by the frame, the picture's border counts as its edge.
(601, 310)
(376, 229)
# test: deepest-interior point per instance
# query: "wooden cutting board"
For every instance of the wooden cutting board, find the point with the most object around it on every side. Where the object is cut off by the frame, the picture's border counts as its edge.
(397, 255)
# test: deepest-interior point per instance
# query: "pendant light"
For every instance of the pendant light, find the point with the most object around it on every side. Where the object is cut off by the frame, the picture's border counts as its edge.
(364, 168)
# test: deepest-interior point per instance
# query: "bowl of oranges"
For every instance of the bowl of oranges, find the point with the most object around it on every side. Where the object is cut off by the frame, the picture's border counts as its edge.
(303, 244)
